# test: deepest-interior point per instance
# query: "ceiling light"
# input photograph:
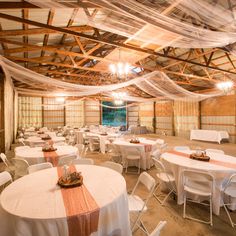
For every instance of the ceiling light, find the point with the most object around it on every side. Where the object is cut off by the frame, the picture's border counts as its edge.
(225, 86)
(118, 102)
(120, 69)
(60, 99)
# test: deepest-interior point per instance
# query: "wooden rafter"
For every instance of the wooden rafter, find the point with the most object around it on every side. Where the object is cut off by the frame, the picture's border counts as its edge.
(116, 44)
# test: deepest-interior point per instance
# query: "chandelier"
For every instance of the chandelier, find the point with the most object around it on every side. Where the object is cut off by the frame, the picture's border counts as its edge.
(120, 69)
(225, 86)
(119, 98)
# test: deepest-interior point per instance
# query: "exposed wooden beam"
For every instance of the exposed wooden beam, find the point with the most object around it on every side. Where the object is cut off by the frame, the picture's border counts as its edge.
(33, 60)
(116, 44)
(6, 33)
(14, 5)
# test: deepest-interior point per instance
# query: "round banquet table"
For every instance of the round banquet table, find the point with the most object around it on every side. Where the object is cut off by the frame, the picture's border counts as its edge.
(146, 160)
(35, 141)
(36, 155)
(33, 205)
(221, 167)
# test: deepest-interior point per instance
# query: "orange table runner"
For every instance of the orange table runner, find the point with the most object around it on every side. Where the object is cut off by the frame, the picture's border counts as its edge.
(51, 157)
(216, 162)
(81, 209)
(147, 147)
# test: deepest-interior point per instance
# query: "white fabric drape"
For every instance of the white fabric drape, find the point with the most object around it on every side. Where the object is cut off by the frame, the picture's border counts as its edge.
(155, 83)
(207, 23)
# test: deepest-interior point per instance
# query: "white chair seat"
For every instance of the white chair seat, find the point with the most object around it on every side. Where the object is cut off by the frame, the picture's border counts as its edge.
(165, 177)
(132, 157)
(135, 203)
(197, 191)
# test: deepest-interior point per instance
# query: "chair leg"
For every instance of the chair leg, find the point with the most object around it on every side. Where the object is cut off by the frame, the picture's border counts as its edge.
(184, 212)
(211, 222)
(162, 202)
(230, 219)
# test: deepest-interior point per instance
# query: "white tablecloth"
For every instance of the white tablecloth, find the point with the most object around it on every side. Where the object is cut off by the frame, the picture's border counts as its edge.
(33, 205)
(176, 164)
(35, 141)
(209, 135)
(36, 155)
(146, 161)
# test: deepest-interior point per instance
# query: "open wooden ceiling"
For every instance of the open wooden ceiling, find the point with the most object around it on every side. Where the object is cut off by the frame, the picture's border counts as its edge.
(59, 46)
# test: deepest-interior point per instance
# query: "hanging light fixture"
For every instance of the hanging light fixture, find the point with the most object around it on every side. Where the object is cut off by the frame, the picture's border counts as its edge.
(119, 98)
(225, 86)
(120, 69)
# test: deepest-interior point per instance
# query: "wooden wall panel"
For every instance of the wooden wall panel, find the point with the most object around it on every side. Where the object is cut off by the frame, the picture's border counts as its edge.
(219, 113)
(219, 106)
(91, 112)
(186, 118)
(133, 115)
(146, 115)
(164, 118)
(74, 113)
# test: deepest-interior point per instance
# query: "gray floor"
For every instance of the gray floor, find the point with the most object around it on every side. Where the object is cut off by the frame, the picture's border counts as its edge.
(172, 212)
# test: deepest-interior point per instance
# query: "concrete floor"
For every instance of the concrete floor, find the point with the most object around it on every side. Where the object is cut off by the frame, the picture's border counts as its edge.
(171, 212)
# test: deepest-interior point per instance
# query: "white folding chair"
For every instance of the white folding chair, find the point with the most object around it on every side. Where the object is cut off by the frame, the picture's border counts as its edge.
(199, 184)
(21, 167)
(21, 140)
(215, 150)
(229, 194)
(66, 160)
(114, 153)
(160, 148)
(181, 148)
(160, 141)
(166, 178)
(81, 150)
(9, 167)
(94, 144)
(5, 178)
(159, 227)
(131, 154)
(115, 166)
(40, 166)
(138, 205)
(83, 161)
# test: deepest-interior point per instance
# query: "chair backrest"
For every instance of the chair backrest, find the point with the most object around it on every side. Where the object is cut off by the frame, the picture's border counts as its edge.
(115, 166)
(5, 177)
(132, 150)
(81, 149)
(66, 160)
(231, 182)
(200, 177)
(159, 166)
(160, 141)
(147, 180)
(4, 159)
(21, 166)
(215, 150)
(83, 161)
(157, 230)
(21, 140)
(181, 148)
(40, 166)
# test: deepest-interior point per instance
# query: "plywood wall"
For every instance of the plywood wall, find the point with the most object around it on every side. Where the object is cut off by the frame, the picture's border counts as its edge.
(74, 113)
(91, 112)
(220, 114)
(164, 118)
(133, 115)
(186, 118)
(146, 115)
